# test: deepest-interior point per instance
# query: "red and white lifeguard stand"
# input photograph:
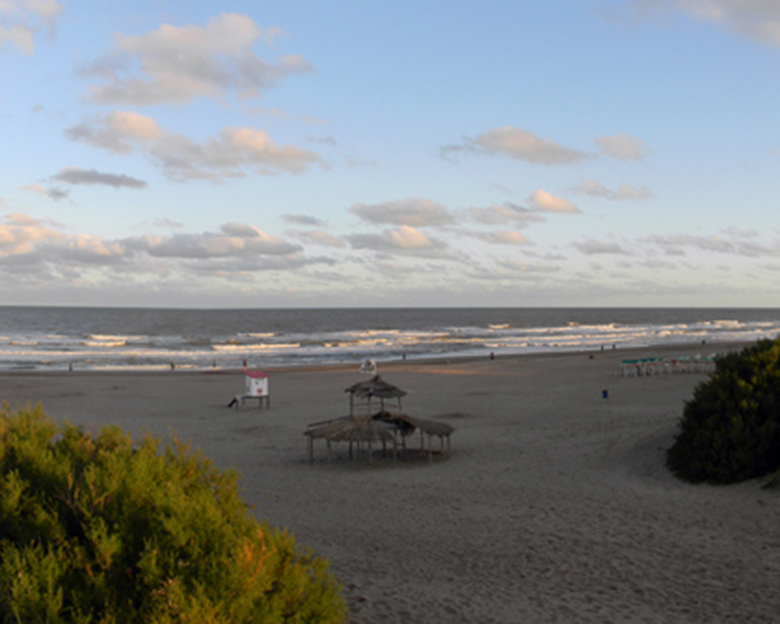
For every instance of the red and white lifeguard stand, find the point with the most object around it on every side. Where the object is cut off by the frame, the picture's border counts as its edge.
(256, 387)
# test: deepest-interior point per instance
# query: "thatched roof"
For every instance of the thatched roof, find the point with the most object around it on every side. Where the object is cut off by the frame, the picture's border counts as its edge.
(375, 387)
(351, 429)
(408, 424)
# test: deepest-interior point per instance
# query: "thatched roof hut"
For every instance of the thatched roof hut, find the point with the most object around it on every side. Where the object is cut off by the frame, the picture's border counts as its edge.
(381, 428)
(406, 426)
(371, 388)
(353, 430)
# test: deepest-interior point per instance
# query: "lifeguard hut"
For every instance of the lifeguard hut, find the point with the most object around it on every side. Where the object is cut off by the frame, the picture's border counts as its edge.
(255, 387)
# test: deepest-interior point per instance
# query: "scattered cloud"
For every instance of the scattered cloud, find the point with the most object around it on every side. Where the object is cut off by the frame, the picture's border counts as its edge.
(657, 263)
(522, 267)
(758, 20)
(623, 192)
(319, 237)
(280, 114)
(623, 147)
(53, 192)
(120, 132)
(521, 145)
(414, 212)
(594, 247)
(733, 241)
(505, 213)
(174, 65)
(546, 202)
(25, 241)
(404, 240)
(164, 222)
(300, 219)
(21, 20)
(503, 237)
(234, 151)
(328, 140)
(76, 175)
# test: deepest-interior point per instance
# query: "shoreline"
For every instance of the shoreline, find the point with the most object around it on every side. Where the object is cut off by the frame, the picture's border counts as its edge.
(391, 364)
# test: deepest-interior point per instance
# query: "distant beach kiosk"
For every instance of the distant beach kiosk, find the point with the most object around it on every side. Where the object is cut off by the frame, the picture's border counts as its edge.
(368, 367)
(256, 387)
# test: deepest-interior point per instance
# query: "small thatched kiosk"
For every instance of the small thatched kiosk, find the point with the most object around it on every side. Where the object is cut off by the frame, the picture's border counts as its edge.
(376, 387)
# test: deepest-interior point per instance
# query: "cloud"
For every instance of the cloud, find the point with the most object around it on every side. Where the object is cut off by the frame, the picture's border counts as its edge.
(502, 214)
(164, 222)
(234, 239)
(174, 65)
(521, 145)
(758, 20)
(303, 220)
(21, 20)
(623, 147)
(734, 242)
(522, 267)
(414, 212)
(404, 240)
(624, 192)
(319, 237)
(120, 132)
(593, 247)
(234, 151)
(53, 192)
(278, 113)
(503, 238)
(76, 175)
(25, 241)
(242, 269)
(546, 202)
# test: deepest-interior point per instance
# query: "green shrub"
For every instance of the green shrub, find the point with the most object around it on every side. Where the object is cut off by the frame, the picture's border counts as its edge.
(93, 529)
(730, 430)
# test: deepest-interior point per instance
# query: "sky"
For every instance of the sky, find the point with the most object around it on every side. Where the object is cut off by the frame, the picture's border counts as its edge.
(407, 153)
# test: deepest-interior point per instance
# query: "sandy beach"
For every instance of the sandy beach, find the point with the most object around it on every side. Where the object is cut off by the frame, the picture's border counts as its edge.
(553, 506)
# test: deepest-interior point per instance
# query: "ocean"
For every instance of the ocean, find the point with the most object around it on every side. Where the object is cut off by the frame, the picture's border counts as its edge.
(53, 338)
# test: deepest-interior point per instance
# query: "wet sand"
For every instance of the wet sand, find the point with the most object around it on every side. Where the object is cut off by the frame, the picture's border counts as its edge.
(553, 506)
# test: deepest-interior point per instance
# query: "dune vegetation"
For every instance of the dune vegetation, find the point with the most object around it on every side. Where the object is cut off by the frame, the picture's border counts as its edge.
(730, 429)
(96, 528)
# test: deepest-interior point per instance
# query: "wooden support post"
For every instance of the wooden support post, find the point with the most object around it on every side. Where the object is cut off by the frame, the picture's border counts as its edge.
(328, 440)
(370, 454)
(430, 449)
(311, 449)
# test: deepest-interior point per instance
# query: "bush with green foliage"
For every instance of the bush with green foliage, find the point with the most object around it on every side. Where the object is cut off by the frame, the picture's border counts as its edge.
(95, 529)
(730, 430)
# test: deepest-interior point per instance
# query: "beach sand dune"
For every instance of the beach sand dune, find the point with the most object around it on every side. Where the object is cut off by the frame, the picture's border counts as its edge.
(554, 505)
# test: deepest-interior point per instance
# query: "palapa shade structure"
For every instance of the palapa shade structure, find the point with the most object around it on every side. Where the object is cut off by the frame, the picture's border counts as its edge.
(352, 430)
(407, 425)
(378, 428)
(374, 387)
